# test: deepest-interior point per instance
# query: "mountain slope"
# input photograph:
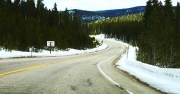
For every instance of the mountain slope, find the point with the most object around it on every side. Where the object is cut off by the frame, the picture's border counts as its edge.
(89, 16)
(120, 12)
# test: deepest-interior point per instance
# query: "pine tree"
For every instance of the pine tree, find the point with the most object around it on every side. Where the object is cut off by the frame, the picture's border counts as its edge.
(8, 2)
(55, 15)
(40, 8)
(177, 17)
(147, 12)
(2, 5)
(2, 20)
(169, 33)
(151, 40)
(31, 11)
(76, 22)
(154, 31)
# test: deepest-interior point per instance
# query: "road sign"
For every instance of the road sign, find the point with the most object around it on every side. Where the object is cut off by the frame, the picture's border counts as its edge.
(50, 43)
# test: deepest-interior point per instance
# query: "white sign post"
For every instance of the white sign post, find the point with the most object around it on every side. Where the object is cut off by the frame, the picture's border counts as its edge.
(127, 51)
(31, 49)
(50, 44)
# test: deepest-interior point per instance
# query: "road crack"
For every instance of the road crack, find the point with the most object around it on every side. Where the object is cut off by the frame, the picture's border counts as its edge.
(89, 82)
(73, 88)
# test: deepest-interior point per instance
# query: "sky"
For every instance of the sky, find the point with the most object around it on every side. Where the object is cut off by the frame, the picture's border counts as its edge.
(94, 5)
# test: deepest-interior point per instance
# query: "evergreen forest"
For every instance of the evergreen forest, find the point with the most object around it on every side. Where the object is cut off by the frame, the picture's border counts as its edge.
(156, 33)
(25, 24)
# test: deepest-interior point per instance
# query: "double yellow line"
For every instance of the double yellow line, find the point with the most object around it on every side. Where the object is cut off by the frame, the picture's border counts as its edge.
(23, 69)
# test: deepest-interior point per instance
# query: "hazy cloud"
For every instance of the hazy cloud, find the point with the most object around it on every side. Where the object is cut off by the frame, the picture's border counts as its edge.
(97, 4)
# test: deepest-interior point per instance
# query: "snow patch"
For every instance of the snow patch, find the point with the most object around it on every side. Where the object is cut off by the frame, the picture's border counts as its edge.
(44, 53)
(164, 79)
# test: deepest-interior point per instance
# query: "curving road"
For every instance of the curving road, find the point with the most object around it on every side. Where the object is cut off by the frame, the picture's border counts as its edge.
(91, 73)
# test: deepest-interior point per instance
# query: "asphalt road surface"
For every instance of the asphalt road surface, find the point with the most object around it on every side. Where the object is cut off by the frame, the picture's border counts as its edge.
(90, 73)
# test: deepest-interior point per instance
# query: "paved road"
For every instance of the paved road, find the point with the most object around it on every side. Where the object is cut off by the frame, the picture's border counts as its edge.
(91, 73)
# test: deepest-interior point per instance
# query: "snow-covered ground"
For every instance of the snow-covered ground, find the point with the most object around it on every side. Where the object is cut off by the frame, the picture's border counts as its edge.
(45, 53)
(164, 79)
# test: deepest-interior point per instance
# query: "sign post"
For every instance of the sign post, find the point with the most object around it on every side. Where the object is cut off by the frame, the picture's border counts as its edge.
(50, 44)
(31, 50)
(127, 51)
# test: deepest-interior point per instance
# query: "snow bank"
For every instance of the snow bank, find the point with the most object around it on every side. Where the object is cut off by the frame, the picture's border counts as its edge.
(164, 79)
(12, 54)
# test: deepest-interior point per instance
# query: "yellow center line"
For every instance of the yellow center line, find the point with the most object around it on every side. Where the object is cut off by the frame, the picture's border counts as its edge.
(23, 69)
(37, 66)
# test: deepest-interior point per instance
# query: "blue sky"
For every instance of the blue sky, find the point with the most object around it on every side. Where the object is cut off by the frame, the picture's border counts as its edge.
(97, 4)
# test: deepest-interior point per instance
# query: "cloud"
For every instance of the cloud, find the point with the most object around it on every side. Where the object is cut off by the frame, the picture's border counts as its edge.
(91, 4)
(97, 4)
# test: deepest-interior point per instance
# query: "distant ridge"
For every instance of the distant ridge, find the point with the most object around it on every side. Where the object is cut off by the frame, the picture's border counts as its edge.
(89, 16)
(120, 12)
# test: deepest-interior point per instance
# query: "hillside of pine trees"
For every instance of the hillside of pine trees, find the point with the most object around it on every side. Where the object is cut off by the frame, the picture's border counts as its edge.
(156, 33)
(24, 24)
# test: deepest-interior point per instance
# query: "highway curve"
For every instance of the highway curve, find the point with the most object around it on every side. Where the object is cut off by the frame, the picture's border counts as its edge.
(90, 73)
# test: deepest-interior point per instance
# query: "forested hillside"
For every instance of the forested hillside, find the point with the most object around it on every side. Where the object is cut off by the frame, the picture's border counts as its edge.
(24, 24)
(90, 16)
(159, 44)
(126, 28)
(156, 33)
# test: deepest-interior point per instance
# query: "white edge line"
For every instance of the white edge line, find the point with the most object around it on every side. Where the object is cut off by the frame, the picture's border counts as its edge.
(110, 78)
